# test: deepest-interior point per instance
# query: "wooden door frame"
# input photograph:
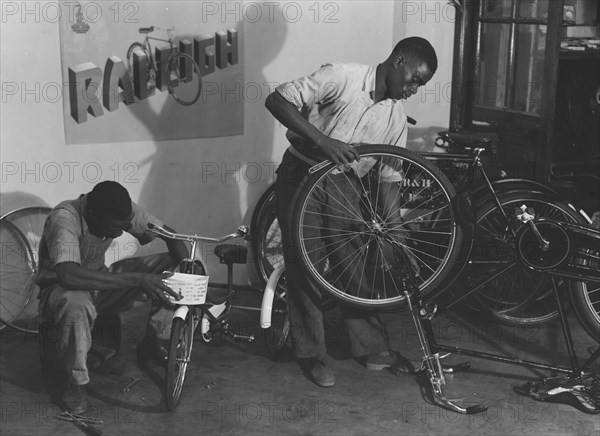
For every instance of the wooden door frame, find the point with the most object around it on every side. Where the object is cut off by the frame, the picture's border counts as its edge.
(460, 107)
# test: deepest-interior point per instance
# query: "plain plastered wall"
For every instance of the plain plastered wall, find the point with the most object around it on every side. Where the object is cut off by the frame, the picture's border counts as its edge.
(208, 186)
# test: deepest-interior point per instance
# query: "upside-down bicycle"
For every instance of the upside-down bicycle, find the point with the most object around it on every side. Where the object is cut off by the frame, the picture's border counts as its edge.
(390, 231)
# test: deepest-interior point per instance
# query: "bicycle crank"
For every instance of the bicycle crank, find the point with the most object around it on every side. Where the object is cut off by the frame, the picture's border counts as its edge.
(572, 249)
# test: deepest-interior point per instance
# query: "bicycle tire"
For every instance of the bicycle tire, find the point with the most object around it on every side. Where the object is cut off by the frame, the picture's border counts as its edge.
(277, 336)
(174, 64)
(17, 271)
(180, 351)
(519, 296)
(30, 222)
(586, 303)
(266, 235)
(376, 223)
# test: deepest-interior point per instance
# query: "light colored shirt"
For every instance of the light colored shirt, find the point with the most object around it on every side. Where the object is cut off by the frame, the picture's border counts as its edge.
(66, 237)
(337, 100)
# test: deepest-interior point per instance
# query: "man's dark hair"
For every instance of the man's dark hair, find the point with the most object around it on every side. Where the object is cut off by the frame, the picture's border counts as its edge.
(110, 200)
(419, 48)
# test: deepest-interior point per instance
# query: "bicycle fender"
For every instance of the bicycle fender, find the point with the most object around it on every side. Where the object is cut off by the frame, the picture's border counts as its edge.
(181, 312)
(266, 307)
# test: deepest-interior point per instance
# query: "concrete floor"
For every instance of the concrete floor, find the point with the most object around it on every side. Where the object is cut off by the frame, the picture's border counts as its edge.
(236, 389)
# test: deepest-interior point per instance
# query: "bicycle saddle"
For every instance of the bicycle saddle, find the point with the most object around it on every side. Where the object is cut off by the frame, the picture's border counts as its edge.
(231, 253)
(146, 30)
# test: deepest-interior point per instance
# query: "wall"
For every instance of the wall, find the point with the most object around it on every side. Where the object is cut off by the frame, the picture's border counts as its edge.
(208, 186)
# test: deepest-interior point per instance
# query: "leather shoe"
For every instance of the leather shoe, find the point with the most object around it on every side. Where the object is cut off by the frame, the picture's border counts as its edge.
(75, 399)
(320, 373)
(379, 361)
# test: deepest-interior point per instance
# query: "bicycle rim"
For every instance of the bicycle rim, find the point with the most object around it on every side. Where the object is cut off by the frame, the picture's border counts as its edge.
(586, 301)
(17, 272)
(29, 221)
(520, 295)
(184, 80)
(360, 230)
(180, 351)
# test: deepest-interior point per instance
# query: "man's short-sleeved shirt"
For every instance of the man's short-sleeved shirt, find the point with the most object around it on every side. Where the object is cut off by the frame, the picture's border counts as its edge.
(337, 100)
(66, 237)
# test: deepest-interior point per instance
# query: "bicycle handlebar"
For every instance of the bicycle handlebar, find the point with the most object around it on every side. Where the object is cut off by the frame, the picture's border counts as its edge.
(242, 232)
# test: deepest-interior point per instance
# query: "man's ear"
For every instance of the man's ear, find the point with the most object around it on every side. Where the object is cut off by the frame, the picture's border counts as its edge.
(398, 60)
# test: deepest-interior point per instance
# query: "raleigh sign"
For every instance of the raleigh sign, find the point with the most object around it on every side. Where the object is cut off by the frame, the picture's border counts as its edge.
(117, 84)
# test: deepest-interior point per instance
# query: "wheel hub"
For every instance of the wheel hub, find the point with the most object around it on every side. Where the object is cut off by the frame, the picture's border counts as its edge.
(539, 258)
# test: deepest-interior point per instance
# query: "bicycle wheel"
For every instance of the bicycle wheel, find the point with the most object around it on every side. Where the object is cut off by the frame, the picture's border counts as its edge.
(266, 235)
(519, 295)
(276, 336)
(360, 230)
(180, 351)
(586, 302)
(17, 271)
(19, 293)
(183, 79)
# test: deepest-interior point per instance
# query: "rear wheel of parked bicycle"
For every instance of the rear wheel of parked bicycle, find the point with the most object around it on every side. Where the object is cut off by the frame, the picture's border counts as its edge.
(519, 296)
(184, 79)
(180, 351)
(586, 302)
(266, 235)
(361, 230)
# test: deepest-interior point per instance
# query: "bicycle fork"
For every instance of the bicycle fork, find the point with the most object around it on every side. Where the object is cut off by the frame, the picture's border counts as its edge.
(431, 361)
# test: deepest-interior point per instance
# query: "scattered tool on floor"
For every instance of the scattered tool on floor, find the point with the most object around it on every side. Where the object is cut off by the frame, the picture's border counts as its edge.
(132, 381)
(83, 421)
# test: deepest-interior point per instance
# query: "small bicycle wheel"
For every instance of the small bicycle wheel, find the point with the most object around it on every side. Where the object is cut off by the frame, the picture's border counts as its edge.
(276, 336)
(519, 295)
(266, 235)
(18, 297)
(180, 351)
(361, 230)
(183, 79)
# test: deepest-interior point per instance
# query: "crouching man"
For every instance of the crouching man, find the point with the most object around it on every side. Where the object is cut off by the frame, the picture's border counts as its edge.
(75, 284)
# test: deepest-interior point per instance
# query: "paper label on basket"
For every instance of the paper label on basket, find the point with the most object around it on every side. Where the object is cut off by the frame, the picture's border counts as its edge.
(192, 287)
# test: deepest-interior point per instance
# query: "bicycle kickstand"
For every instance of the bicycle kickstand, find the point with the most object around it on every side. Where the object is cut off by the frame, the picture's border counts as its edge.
(431, 362)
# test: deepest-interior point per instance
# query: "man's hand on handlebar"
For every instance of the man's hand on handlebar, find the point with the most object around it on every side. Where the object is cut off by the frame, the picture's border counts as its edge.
(155, 287)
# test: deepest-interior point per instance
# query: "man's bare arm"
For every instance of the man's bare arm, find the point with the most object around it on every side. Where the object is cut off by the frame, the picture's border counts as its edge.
(74, 276)
(288, 115)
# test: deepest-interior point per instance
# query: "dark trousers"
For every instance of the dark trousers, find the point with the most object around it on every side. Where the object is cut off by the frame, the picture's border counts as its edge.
(306, 316)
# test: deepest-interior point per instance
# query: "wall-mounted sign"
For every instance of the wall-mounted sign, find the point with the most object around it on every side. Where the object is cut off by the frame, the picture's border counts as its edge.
(150, 71)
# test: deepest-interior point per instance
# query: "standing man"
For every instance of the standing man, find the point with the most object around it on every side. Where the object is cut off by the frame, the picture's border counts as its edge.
(75, 285)
(325, 112)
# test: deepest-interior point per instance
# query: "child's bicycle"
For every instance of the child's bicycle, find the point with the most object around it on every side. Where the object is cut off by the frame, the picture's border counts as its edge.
(168, 68)
(210, 312)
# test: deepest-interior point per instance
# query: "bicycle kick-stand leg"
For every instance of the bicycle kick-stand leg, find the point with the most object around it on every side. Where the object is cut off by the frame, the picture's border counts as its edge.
(431, 362)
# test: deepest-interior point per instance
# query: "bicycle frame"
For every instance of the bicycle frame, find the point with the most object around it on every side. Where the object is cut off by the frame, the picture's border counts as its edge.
(579, 244)
(147, 44)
